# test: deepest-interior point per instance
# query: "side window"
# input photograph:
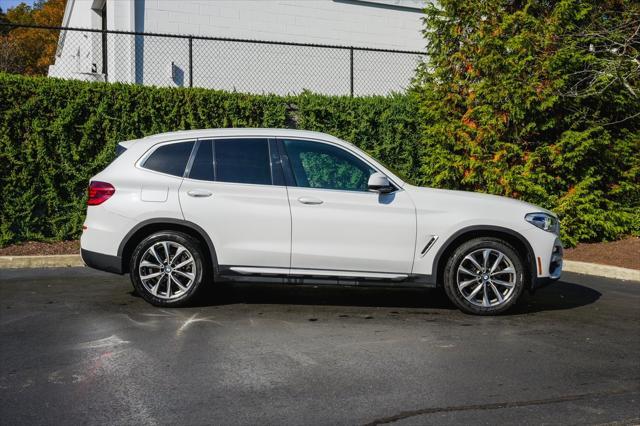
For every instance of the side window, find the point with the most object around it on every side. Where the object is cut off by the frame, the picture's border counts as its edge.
(170, 159)
(320, 165)
(202, 167)
(242, 161)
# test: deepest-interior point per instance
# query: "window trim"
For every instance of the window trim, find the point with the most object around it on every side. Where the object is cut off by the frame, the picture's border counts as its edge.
(140, 163)
(288, 169)
(275, 164)
(275, 142)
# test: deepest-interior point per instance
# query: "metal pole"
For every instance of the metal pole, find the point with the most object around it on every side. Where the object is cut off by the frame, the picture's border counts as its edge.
(351, 68)
(190, 61)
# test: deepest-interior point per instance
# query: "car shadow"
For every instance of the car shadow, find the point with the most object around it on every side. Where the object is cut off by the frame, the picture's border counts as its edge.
(560, 295)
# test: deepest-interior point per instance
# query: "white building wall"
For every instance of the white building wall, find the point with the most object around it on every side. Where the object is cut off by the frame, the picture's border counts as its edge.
(302, 21)
(260, 68)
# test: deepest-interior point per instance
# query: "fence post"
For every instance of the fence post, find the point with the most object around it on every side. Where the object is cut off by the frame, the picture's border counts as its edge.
(351, 68)
(190, 61)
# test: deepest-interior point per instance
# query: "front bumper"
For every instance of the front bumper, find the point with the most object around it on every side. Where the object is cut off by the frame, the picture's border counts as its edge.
(103, 262)
(554, 267)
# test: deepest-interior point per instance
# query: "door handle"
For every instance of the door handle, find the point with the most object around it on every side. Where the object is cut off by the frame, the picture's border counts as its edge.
(310, 200)
(199, 193)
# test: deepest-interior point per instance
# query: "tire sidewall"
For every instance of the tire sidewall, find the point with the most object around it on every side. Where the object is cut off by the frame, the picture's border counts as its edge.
(451, 268)
(190, 244)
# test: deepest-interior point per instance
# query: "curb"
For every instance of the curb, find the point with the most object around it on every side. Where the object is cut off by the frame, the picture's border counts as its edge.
(52, 261)
(69, 260)
(606, 271)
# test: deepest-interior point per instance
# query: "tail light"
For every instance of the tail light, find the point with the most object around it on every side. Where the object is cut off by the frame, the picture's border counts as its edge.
(99, 192)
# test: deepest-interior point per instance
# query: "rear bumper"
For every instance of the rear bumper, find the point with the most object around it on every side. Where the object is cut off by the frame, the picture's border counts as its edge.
(103, 262)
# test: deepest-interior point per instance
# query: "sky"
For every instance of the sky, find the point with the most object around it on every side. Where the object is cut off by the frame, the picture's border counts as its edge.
(6, 4)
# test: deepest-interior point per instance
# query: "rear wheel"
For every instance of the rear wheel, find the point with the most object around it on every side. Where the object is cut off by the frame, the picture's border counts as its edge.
(484, 276)
(168, 268)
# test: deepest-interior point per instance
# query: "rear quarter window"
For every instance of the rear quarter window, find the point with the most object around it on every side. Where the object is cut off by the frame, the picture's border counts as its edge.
(119, 150)
(170, 159)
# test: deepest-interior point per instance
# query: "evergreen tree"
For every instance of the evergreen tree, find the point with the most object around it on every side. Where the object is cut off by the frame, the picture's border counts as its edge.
(538, 100)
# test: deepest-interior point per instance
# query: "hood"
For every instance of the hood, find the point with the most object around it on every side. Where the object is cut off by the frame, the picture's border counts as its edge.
(447, 200)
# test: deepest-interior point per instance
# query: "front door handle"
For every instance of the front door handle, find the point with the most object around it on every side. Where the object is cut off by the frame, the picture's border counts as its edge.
(310, 200)
(199, 193)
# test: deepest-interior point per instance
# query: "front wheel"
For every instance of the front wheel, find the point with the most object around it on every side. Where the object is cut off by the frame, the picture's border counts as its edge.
(484, 276)
(167, 268)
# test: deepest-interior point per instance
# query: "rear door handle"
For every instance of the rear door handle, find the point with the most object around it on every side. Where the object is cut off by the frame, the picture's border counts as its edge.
(199, 193)
(310, 200)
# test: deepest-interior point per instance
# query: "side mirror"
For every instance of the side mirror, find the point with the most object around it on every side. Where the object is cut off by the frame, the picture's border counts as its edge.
(379, 183)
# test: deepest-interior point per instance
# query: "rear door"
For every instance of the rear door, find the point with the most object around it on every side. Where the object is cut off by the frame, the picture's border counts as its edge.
(233, 190)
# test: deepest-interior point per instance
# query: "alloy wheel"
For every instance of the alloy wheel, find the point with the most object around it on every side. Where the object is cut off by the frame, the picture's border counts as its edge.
(486, 278)
(167, 270)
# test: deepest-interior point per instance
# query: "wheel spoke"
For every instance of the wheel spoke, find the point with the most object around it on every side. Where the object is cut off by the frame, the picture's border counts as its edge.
(152, 275)
(185, 274)
(496, 263)
(154, 289)
(180, 286)
(503, 283)
(472, 260)
(507, 270)
(485, 296)
(147, 264)
(167, 254)
(182, 264)
(152, 250)
(496, 292)
(485, 258)
(168, 286)
(178, 253)
(474, 292)
(466, 271)
(465, 284)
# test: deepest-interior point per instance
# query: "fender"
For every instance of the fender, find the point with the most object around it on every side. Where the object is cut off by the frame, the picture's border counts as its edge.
(487, 228)
(173, 221)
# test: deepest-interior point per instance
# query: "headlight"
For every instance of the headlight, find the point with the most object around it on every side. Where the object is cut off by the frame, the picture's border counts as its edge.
(544, 221)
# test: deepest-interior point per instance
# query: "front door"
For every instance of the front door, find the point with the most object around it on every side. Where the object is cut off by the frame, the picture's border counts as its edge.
(337, 223)
(234, 193)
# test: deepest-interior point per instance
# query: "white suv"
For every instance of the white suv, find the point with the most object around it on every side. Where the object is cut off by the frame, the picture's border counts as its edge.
(180, 210)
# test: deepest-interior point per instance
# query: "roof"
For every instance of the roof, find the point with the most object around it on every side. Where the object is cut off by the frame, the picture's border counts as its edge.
(238, 131)
(241, 131)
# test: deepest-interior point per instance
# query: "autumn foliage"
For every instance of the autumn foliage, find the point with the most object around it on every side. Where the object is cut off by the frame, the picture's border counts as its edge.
(29, 50)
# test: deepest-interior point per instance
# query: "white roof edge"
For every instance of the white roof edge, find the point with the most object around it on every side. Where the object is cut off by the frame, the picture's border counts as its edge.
(240, 131)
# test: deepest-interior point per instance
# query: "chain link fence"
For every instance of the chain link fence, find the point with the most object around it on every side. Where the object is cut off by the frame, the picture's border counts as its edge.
(250, 66)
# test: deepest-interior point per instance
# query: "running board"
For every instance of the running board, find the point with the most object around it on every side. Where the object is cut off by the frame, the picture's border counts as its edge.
(296, 272)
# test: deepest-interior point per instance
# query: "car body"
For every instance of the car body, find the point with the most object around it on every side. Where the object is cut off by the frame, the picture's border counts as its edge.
(304, 207)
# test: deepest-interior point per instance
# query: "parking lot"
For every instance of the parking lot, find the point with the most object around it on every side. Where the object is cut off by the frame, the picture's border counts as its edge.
(79, 347)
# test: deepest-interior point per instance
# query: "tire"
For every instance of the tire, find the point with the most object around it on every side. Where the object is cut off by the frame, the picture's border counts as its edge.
(150, 273)
(473, 287)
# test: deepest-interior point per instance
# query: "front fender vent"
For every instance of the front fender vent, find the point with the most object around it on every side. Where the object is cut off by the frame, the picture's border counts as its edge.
(431, 240)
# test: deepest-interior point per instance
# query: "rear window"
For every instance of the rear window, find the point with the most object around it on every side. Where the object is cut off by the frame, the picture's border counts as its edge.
(170, 159)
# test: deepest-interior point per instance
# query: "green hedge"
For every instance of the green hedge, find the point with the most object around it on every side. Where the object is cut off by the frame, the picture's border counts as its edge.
(55, 134)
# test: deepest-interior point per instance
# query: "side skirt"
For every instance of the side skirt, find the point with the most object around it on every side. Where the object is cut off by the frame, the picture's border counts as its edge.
(322, 277)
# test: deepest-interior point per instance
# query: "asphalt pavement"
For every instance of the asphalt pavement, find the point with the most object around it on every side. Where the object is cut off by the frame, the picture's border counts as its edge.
(78, 347)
